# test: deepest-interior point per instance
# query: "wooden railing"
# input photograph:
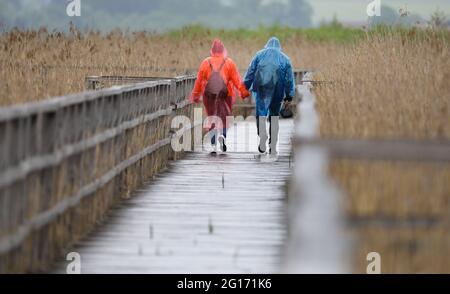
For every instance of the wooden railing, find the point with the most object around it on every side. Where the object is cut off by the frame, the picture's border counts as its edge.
(66, 160)
(97, 82)
(243, 108)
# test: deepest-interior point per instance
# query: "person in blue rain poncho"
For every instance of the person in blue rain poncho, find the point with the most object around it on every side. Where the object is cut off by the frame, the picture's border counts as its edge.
(271, 79)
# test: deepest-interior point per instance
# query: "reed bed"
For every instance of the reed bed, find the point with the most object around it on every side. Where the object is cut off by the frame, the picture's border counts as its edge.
(392, 86)
(388, 86)
(400, 210)
(37, 65)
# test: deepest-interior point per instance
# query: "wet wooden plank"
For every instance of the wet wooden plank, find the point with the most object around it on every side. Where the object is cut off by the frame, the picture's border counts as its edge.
(205, 214)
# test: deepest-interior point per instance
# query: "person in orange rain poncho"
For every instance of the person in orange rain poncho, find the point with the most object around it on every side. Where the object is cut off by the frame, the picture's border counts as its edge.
(217, 78)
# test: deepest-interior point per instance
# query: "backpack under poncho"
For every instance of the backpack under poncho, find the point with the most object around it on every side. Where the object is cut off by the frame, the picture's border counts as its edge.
(215, 94)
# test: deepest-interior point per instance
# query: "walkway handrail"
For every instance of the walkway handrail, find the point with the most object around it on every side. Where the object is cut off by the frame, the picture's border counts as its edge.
(56, 152)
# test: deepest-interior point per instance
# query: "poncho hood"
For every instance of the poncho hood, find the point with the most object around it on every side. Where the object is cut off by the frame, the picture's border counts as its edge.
(273, 43)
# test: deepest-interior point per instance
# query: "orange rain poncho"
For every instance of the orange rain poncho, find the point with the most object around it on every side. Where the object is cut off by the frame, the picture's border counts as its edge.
(229, 73)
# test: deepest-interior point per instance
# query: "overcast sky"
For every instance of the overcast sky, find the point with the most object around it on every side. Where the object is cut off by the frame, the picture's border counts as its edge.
(355, 10)
(108, 14)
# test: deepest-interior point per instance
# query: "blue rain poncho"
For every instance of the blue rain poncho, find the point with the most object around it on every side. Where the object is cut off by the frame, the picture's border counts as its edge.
(271, 78)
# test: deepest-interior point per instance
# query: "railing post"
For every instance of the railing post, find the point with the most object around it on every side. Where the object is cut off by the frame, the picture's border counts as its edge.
(92, 82)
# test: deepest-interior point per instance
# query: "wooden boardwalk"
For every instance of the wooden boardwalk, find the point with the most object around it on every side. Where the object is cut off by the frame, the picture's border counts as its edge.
(205, 214)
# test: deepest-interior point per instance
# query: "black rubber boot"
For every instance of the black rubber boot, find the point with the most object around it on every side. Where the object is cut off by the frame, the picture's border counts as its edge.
(223, 146)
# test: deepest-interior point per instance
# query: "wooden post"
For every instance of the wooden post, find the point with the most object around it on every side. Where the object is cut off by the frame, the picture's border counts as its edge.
(92, 82)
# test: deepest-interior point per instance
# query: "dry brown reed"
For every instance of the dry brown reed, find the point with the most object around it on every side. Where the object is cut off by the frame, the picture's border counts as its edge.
(39, 65)
(388, 87)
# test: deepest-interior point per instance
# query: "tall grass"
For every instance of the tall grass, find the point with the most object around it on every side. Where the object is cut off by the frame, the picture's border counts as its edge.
(39, 64)
(388, 82)
(393, 84)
